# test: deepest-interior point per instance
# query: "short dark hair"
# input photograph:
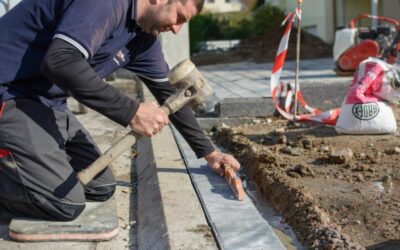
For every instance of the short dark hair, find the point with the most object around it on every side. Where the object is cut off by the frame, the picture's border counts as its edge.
(198, 3)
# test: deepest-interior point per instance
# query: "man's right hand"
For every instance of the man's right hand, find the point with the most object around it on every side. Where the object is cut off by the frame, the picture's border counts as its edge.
(149, 119)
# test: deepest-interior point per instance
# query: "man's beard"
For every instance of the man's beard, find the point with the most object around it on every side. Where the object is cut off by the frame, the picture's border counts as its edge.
(154, 32)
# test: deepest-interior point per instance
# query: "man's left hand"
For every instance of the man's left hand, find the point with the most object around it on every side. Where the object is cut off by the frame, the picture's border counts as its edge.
(217, 159)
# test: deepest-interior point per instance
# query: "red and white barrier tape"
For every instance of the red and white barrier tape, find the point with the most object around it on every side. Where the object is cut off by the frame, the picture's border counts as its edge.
(286, 90)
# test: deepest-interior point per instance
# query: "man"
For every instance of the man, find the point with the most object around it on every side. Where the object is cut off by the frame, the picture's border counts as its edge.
(52, 49)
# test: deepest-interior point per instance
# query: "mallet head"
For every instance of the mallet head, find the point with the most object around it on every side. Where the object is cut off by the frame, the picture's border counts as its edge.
(186, 78)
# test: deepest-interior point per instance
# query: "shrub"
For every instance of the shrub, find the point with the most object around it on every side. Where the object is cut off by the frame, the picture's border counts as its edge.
(266, 17)
(235, 25)
(202, 28)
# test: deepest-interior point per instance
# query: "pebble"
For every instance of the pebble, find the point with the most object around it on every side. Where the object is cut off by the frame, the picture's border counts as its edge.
(315, 243)
(360, 168)
(359, 177)
(392, 151)
(307, 143)
(387, 183)
(341, 156)
(223, 125)
(279, 130)
(268, 138)
(325, 149)
(331, 247)
(292, 151)
(293, 174)
(269, 121)
(282, 139)
(304, 170)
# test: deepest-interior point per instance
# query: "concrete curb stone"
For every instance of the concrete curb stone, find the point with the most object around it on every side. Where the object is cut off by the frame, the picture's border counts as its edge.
(169, 213)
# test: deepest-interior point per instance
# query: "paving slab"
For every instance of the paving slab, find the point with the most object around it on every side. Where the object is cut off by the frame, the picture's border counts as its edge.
(244, 107)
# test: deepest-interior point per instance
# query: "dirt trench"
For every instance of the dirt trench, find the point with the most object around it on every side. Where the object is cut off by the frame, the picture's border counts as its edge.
(335, 191)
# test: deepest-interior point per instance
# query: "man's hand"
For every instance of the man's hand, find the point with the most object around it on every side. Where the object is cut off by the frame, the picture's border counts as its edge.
(149, 119)
(216, 160)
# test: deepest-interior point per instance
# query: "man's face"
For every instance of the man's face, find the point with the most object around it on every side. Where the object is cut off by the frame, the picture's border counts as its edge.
(166, 15)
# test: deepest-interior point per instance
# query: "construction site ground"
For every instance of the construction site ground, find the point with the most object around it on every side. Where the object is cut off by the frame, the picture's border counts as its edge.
(335, 191)
(331, 201)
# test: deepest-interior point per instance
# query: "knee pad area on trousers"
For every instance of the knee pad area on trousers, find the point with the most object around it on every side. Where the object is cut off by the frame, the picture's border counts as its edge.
(68, 212)
(99, 193)
(56, 209)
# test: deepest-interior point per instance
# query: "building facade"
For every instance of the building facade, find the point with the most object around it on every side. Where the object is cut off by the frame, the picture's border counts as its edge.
(219, 6)
(323, 17)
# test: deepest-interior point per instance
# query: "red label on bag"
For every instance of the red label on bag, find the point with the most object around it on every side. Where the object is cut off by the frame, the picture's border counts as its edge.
(1, 109)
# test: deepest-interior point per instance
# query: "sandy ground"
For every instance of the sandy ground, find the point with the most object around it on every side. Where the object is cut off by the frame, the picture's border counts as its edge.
(350, 201)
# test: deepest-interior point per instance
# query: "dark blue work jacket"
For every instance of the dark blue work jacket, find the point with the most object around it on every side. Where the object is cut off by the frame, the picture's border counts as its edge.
(105, 31)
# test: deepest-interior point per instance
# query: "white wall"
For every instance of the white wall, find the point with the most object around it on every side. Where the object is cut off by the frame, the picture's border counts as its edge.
(175, 47)
(218, 6)
(317, 16)
(4, 3)
(391, 8)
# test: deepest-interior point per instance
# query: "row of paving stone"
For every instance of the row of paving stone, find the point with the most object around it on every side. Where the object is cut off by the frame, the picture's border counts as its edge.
(249, 79)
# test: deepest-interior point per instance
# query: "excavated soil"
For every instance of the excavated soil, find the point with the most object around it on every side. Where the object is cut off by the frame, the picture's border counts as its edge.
(336, 191)
(263, 48)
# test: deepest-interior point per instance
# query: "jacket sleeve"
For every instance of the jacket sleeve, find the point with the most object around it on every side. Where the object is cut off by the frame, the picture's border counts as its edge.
(66, 67)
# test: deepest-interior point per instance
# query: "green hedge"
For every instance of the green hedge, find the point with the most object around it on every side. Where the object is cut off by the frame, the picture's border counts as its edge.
(234, 25)
(266, 17)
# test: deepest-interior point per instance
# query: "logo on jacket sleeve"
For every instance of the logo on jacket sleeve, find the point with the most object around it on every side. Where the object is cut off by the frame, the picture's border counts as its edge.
(119, 58)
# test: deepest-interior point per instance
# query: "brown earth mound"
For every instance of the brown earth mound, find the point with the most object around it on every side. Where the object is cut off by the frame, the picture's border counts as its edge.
(263, 49)
(336, 191)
